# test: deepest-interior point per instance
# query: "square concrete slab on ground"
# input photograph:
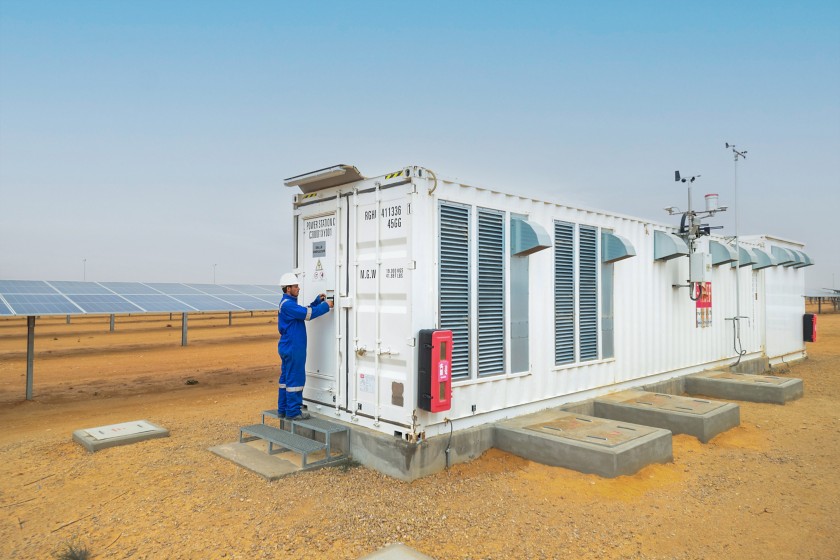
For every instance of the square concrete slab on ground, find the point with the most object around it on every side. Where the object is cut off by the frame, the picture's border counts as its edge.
(270, 467)
(102, 437)
(701, 418)
(584, 443)
(396, 551)
(744, 387)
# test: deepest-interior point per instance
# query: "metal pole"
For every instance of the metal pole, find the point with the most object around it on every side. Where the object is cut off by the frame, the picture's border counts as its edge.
(112, 322)
(68, 319)
(30, 354)
(230, 318)
(736, 324)
(736, 321)
(184, 328)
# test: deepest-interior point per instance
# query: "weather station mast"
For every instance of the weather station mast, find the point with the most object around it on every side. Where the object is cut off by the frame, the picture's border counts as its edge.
(736, 320)
(691, 229)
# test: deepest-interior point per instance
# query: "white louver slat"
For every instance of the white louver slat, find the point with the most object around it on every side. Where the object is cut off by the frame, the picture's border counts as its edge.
(588, 278)
(491, 293)
(454, 283)
(564, 293)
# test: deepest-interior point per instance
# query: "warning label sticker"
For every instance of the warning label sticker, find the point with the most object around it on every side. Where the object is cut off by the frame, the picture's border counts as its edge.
(367, 383)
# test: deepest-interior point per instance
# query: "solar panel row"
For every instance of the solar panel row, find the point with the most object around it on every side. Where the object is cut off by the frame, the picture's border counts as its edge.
(35, 297)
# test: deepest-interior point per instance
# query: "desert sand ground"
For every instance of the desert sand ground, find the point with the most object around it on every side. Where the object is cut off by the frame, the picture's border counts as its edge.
(767, 489)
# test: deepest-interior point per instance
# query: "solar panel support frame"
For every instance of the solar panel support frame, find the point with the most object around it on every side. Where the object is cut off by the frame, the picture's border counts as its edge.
(30, 354)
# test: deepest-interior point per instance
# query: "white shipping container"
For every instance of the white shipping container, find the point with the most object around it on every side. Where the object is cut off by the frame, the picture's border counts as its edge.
(548, 303)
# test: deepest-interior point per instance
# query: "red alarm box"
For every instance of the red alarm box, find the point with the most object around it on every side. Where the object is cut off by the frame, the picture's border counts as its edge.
(434, 370)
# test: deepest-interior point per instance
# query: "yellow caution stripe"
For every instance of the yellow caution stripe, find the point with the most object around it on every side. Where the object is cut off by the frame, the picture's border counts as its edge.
(393, 175)
(310, 195)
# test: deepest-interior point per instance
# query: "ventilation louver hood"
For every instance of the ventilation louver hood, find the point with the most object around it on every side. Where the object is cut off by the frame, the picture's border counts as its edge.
(722, 253)
(762, 259)
(527, 237)
(615, 248)
(784, 257)
(667, 246)
(806, 260)
(747, 258)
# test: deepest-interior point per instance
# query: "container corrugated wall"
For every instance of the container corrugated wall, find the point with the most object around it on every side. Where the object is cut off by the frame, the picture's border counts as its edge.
(656, 327)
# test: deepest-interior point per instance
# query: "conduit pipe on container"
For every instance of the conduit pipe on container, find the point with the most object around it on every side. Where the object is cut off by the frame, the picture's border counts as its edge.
(356, 309)
(337, 302)
(409, 242)
(377, 310)
(435, 287)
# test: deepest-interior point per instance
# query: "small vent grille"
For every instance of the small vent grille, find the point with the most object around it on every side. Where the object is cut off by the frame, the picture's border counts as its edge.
(491, 293)
(564, 293)
(588, 278)
(454, 286)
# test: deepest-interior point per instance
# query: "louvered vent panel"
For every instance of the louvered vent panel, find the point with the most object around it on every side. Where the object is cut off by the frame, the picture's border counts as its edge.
(491, 293)
(454, 286)
(588, 274)
(564, 293)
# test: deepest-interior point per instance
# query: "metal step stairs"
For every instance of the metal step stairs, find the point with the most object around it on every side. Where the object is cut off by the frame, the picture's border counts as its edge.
(288, 437)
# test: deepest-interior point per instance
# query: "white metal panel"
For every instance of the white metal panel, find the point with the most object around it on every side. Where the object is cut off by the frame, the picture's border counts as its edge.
(784, 287)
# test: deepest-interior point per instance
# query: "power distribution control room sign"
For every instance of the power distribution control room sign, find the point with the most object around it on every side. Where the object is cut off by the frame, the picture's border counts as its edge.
(319, 249)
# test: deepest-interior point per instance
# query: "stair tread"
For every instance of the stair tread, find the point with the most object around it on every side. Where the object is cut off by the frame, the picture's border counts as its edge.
(318, 424)
(289, 440)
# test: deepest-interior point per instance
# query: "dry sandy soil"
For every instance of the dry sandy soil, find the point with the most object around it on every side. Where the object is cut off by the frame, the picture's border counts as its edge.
(767, 489)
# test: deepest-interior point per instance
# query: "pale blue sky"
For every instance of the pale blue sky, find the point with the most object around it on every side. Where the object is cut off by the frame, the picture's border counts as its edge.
(152, 138)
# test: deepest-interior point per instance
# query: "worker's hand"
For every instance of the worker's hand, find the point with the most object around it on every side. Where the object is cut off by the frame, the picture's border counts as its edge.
(330, 303)
(322, 296)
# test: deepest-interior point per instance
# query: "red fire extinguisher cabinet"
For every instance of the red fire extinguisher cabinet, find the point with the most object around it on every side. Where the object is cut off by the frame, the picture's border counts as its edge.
(434, 370)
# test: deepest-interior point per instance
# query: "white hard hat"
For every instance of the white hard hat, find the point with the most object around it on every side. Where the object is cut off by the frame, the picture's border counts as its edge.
(288, 279)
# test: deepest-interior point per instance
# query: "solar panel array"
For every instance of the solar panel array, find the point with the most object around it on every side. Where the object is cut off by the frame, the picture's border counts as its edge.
(36, 297)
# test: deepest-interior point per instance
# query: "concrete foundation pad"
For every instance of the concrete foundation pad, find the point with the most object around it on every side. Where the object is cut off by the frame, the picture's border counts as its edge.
(103, 437)
(584, 443)
(396, 457)
(745, 387)
(396, 551)
(701, 418)
(267, 466)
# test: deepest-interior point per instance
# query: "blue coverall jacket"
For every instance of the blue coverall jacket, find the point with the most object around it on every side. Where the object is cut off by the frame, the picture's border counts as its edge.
(292, 350)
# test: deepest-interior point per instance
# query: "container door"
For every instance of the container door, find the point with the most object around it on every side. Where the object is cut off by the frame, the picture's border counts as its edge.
(382, 343)
(317, 260)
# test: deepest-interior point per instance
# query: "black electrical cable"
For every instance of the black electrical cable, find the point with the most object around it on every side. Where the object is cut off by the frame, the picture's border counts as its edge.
(448, 443)
(737, 345)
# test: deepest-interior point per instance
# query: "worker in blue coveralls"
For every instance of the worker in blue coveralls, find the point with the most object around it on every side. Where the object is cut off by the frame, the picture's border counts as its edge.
(292, 345)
